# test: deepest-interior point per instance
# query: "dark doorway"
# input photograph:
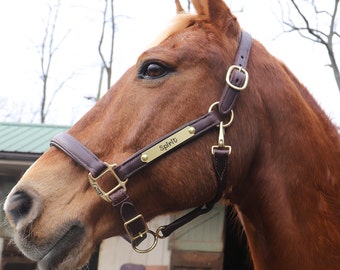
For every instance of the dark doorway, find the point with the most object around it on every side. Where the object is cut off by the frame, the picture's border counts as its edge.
(236, 253)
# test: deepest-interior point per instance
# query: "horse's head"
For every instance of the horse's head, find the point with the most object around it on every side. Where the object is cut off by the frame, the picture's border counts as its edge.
(58, 218)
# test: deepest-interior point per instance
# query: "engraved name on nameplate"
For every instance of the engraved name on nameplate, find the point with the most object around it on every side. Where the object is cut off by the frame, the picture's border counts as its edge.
(167, 144)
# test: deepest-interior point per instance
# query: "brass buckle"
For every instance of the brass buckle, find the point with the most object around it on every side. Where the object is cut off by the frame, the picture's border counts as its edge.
(140, 234)
(99, 190)
(148, 249)
(134, 237)
(240, 69)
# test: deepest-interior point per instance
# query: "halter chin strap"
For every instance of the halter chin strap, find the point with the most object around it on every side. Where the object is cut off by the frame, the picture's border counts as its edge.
(134, 223)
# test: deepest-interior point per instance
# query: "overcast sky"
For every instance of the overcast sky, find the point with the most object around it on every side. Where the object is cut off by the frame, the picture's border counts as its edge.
(137, 24)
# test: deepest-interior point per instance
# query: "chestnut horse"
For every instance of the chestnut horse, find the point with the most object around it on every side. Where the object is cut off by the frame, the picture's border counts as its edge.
(283, 174)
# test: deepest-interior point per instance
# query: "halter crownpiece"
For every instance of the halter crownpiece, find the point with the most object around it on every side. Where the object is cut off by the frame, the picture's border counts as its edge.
(136, 228)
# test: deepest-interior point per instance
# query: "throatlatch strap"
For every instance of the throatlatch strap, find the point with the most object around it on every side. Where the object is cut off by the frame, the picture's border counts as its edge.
(237, 79)
(220, 161)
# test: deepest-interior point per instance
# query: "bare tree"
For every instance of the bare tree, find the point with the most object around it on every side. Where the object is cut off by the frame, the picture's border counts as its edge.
(189, 5)
(108, 31)
(318, 24)
(47, 50)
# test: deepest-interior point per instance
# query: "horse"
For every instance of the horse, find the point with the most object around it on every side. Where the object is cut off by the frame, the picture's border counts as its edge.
(194, 121)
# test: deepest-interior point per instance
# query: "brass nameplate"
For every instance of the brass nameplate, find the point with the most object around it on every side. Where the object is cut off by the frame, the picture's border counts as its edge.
(167, 144)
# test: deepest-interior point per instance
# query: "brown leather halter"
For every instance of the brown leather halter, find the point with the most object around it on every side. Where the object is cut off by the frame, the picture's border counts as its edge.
(134, 223)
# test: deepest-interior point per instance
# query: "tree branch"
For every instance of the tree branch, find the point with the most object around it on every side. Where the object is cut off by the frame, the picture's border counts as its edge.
(313, 33)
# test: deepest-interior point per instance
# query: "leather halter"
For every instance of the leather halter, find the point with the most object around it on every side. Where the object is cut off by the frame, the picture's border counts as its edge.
(134, 223)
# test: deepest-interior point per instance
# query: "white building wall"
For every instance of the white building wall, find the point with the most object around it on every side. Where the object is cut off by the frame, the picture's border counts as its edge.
(115, 251)
(1, 247)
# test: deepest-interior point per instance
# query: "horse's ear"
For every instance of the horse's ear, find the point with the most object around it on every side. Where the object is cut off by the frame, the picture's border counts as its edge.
(202, 7)
(179, 8)
(217, 12)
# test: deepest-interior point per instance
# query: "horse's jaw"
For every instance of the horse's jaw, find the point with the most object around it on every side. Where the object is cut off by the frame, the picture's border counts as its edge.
(60, 251)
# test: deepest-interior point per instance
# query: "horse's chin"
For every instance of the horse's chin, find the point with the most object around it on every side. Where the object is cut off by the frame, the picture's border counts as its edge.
(65, 249)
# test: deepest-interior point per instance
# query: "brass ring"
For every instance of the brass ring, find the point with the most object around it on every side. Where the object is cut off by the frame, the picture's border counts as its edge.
(155, 240)
(230, 120)
(213, 105)
(231, 114)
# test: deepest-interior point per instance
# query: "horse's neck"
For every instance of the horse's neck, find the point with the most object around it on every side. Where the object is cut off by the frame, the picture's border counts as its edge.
(289, 204)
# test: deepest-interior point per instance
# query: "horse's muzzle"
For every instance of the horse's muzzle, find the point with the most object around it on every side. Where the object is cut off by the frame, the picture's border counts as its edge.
(22, 208)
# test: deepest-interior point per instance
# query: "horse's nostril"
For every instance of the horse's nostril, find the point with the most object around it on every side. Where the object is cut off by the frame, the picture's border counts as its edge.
(18, 206)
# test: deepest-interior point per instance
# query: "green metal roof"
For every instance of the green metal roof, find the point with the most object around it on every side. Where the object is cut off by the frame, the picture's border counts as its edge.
(27, 138)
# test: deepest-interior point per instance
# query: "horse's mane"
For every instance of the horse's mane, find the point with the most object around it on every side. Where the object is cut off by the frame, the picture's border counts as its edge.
(178, 23)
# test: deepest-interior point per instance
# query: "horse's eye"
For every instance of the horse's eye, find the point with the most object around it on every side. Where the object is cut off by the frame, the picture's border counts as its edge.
(153, 71)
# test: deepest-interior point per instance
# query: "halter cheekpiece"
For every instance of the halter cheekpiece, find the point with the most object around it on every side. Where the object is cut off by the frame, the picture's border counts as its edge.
(134, 223)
